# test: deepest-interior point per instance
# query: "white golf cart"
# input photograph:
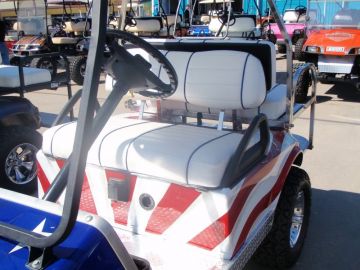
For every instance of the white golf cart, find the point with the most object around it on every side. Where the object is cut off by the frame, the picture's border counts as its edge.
(209, 179)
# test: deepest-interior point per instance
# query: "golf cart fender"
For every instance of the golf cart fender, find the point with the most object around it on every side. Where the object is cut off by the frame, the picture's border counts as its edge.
(18, 111)
(294, 158)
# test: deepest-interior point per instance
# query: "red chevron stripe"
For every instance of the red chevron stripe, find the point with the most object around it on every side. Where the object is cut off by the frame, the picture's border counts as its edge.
(86, 200)
(214, 234)
(267, 199)
(221, 228)
(121, 209)
(174, 203)
(44, 181)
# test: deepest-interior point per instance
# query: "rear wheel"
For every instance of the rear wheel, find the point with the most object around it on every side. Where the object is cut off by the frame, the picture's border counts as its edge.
(77, 69)
(281, 48)
(18, 147)
(299, 54)
(46, 63)
(282, 247)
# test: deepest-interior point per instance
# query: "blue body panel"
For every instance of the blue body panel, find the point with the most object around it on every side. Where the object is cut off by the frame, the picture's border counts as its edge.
(200, 31)
(85, 248)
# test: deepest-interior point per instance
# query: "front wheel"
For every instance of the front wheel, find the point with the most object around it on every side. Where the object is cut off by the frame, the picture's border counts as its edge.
(299, 54)
(18, 148)
(281, 48)
(302, 85)
(77, 69)
(282, 247)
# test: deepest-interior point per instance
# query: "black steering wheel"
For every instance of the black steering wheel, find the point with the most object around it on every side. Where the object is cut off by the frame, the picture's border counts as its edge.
(134, 71)
(223, 16)
(300, 9)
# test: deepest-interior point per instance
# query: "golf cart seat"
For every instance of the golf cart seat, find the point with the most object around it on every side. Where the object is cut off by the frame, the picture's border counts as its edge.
(21, 79)
(178, 153)
(243, 26)
(9, 77)
(293, 16)
(171, 19)
(64, 40)
(77, 27)
(146, 25)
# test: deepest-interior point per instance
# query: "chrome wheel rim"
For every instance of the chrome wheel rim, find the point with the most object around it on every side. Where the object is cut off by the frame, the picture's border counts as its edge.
(297, 219)
(20, 164)
(82, 69)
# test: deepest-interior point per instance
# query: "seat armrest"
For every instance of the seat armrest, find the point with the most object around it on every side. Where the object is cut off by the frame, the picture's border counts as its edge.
(246, 156)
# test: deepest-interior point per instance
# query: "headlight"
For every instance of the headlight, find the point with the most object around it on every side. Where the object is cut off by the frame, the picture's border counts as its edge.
(313, 49)
(353, 51)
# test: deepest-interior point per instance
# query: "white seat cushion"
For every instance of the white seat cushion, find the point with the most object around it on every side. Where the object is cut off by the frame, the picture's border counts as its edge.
(242, 25)
(9, 76)
(275, 103)
(64, 40)
(182, 154)
(291, 16)
(76, 26)
(148, 26)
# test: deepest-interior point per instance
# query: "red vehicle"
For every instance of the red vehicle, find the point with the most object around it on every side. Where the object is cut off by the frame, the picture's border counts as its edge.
(333, 42)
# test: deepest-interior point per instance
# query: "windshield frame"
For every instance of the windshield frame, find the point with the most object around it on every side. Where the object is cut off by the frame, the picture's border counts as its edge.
(333, 14)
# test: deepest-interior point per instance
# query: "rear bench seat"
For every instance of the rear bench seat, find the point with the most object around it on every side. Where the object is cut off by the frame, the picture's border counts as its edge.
(9, 76)
(222, 79)
(33, 79)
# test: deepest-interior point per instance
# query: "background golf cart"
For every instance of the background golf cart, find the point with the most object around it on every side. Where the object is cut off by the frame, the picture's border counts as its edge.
(37, 35)
(294, 21)
(333, 40)
(19, 120)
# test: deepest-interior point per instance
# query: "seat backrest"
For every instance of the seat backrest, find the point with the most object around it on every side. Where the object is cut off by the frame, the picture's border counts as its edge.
(71, 26)
(241, 24)
(222, 79)
(291, 16)
(148, 25)
(262, 50)
(171, 19)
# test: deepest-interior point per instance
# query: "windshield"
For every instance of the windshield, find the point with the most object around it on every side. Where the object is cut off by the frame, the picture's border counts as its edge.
(31, 17)
(334, 14)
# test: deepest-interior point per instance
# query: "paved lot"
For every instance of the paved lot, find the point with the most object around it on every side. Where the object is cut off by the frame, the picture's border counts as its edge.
(333, 240)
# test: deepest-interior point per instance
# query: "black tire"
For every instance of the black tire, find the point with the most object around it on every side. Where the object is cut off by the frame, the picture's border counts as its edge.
(19, 144)
(77, 69)
(276, 250)
(302, 85)
(14, 61)
(281, 48)
(46, 62)
(299, 54)
(271, 37)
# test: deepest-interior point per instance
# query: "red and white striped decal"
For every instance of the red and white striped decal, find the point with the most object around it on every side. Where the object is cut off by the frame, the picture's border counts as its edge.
(213, 235)
(86, 201)
(221, 219)
(174, 203)
(121, 209)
